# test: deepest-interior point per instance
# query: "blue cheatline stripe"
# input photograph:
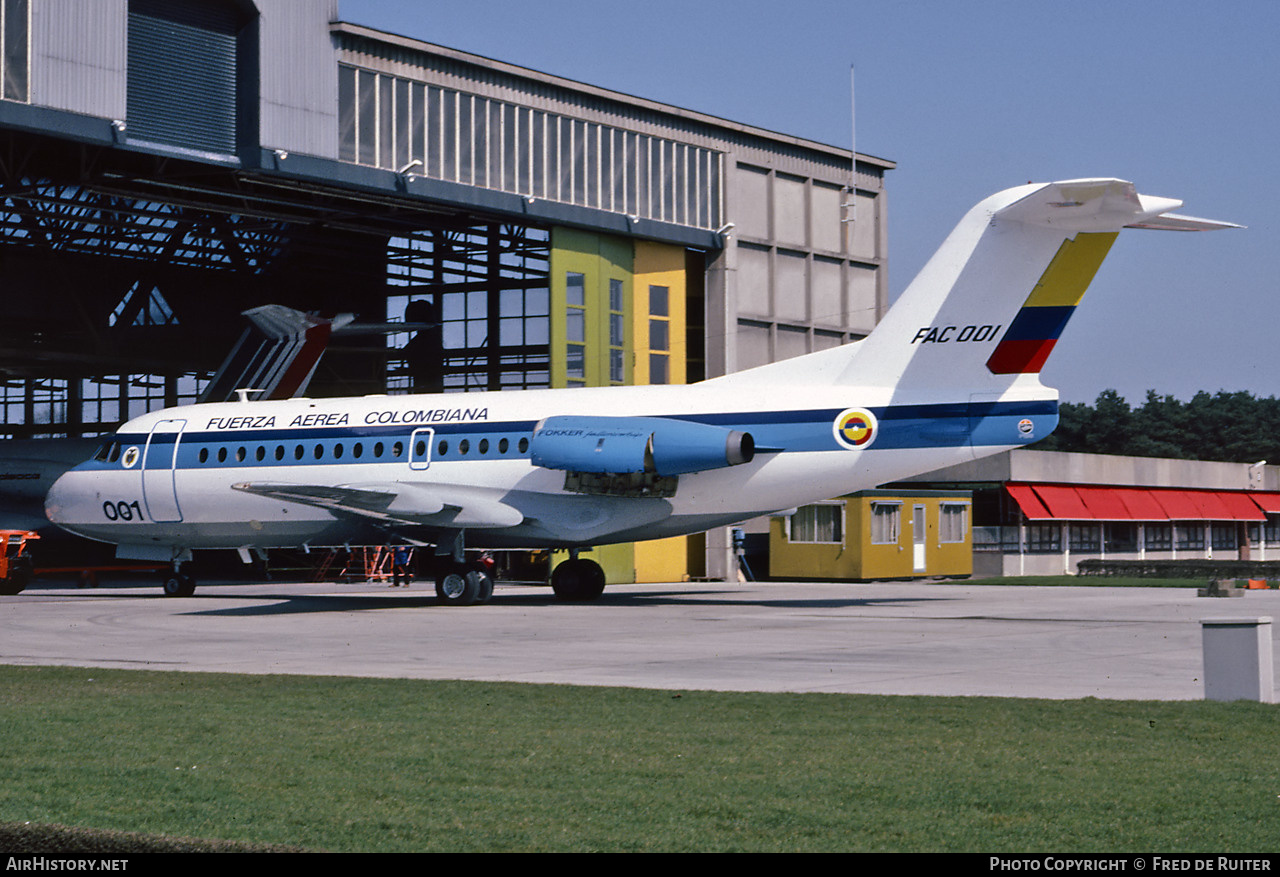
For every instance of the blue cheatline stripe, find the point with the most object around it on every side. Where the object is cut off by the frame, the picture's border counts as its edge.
(951, 424)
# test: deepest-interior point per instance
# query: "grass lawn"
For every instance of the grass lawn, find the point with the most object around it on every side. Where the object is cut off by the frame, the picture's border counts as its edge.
(382, 765)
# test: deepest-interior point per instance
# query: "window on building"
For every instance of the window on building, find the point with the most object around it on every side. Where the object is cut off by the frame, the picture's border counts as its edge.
(886, 523)
(1268, 531)
(955, 522)
(396, 123)
(659, 335)
(822, 523)
(1044, 537)
(1085, 537)
(1223, 536)
(15, 57)
(1158, 537)
(1188, 536)
(617, 332)
(576, 328)
(481, 299)
(1120, 536)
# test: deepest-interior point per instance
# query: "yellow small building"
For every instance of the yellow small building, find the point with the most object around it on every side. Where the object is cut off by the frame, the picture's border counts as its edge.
(875, 534)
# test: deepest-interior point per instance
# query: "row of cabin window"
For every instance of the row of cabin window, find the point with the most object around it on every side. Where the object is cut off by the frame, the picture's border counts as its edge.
(357, 450)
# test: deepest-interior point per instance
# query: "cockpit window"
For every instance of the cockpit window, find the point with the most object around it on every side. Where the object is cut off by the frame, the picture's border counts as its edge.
(107, 452)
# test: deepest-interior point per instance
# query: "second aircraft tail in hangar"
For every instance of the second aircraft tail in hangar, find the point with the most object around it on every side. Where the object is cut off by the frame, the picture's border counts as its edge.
(276, 356)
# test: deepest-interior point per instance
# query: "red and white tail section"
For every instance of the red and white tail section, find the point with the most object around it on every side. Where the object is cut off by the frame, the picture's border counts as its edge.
(276, 356)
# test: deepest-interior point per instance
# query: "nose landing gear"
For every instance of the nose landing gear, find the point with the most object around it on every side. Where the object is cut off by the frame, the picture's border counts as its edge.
(179, 584)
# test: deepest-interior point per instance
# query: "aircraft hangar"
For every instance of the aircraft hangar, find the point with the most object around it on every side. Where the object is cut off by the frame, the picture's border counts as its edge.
(168, 164)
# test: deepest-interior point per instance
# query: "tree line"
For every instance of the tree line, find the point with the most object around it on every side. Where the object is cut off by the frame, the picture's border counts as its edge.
(1229, 427)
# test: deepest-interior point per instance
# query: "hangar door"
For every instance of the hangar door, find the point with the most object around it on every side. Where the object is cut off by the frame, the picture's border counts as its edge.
(182, 73)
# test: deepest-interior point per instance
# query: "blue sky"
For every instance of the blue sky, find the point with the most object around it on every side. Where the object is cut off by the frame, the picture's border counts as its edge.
(1182, 98)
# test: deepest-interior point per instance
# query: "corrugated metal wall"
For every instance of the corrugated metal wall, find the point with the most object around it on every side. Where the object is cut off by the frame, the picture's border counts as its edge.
(299, 90)
(78, 56)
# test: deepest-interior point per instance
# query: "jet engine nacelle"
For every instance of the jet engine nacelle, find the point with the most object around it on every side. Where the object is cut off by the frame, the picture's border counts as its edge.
(620, 445)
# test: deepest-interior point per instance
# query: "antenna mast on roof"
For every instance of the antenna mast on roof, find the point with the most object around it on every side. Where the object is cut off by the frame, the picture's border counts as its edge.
(852, 203)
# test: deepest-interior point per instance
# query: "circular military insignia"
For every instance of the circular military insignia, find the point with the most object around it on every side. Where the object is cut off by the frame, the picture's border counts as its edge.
(855, 428)
(1025, 426)
(130, 458)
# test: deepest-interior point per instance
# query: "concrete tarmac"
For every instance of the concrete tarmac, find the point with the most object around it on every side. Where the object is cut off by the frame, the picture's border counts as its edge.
(885, 638)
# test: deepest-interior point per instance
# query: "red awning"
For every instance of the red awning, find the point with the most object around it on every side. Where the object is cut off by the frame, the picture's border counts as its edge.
(1177, 505)
(1027, 501)
(1104, 504)
(1207, 505)
(1241, 506)
(1212, 508)
(1141, 504)
(1267, 501)
(1063, 502)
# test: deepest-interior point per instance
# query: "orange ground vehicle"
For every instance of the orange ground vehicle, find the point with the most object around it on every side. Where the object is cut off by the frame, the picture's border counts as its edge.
(15, 564)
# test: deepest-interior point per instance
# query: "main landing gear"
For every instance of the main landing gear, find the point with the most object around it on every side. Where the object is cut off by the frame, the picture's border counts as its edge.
(464, 584)
(577, 579)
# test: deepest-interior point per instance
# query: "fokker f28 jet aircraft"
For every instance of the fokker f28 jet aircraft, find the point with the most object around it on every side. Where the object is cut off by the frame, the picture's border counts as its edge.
(950, 374)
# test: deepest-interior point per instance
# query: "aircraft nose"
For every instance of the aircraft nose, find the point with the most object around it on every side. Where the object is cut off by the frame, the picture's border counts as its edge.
(55, 501)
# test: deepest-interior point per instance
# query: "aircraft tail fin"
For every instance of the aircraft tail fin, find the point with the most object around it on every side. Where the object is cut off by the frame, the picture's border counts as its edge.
(989, 306)
(276, 355)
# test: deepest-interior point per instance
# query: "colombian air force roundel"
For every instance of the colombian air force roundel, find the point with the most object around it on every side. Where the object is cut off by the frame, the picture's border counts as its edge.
(855, 428)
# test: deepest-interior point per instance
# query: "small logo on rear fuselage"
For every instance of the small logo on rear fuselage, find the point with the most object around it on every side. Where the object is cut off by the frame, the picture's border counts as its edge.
(855, 428)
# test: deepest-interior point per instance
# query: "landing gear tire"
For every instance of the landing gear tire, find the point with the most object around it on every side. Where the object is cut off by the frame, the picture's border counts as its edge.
(578, 580)
(457, 587)
(484, 585)
(179, 584)
(463, 585)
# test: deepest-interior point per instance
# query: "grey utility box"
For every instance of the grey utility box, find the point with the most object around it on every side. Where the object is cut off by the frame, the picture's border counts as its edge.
(1237, 659)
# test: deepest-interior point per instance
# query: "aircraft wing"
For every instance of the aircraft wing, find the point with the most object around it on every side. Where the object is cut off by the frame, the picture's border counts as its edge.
(397, 503)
